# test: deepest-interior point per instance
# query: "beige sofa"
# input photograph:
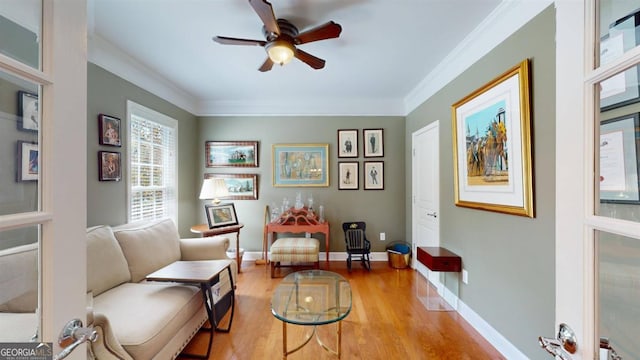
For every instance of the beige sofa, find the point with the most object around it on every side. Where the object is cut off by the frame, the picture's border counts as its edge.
(18, 293)
(136, 319)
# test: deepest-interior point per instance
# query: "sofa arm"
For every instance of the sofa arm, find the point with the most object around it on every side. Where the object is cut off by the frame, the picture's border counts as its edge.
(106, 345)
(205, 248)
(208, 248)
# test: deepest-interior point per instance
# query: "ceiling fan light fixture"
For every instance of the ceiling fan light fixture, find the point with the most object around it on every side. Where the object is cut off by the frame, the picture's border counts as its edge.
(280, 51)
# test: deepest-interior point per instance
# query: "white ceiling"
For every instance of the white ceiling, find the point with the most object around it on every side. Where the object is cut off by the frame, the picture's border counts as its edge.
(386, 49)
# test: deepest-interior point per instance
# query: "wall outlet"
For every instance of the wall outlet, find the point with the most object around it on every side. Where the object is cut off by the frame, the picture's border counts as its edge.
(383, 236)
(465, 276)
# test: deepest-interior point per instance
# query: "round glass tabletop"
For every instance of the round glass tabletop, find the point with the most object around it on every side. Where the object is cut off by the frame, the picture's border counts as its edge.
(312, 297)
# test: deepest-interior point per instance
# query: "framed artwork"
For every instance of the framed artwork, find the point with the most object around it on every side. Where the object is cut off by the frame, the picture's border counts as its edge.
(109, 166)
(348, 143)
(492, 145)
(373, 142)
(300, 165)
(374, 175)
(221, 215)
(28, 114)
(619, 161)
(623, 88)
(109, 130)
(231, 153)
(240, 186)
(348, 175)
(28, 161)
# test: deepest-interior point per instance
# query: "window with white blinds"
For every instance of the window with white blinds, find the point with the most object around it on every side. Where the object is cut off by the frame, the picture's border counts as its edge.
(153, 181)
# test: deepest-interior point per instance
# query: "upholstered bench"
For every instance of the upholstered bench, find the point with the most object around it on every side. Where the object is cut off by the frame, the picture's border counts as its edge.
(295, 251)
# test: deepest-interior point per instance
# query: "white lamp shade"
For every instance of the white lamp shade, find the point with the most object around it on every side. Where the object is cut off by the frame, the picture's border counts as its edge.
(213, 189)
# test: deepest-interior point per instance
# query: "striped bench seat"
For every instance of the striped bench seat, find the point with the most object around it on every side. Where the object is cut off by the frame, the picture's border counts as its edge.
(295, 251)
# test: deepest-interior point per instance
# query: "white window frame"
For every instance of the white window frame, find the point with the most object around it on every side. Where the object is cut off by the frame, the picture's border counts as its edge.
(134, 109)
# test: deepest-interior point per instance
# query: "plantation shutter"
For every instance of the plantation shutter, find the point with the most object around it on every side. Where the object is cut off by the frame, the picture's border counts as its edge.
(152, 165)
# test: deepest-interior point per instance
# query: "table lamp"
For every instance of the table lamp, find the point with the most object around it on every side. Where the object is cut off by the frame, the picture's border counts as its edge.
(213, 189)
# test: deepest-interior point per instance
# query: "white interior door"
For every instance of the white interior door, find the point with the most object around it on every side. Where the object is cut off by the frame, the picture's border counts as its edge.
(426, 190)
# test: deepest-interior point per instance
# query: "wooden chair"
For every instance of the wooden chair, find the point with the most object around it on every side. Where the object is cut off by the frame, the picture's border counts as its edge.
(357, 245)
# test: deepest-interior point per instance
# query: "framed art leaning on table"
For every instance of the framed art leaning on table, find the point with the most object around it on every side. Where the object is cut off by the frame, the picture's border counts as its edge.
(221, 215)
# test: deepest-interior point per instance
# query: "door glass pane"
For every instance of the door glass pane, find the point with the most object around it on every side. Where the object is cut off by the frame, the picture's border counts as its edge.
(618, 292)
(20, 26)
(19, 284)
(619, 32)
(19, 145)
(617, 180)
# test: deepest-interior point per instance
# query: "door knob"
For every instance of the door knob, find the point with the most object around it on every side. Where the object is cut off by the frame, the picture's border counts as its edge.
(72, 335)
(433, 214)
(563, 345)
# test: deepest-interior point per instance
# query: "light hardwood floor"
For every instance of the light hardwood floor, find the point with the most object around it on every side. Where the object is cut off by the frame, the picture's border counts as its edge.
(387, 321)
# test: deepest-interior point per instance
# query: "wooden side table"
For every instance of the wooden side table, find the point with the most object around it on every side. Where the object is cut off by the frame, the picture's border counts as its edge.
(203, 229)
(441, 260)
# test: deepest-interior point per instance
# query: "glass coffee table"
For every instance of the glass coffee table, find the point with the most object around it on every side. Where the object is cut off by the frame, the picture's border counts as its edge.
(311, 298)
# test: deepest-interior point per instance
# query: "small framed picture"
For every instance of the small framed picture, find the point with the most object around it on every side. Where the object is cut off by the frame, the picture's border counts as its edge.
(221, 215)
(28, 114)
(109, 130)
(348, 175)
(348, 143)
(109, 166)
(374, 175)
(27, 161)
(373, 142)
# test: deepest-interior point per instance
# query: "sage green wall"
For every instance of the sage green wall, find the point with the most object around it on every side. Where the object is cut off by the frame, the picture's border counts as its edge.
(107, 200)
(383, 211)
(510, 259)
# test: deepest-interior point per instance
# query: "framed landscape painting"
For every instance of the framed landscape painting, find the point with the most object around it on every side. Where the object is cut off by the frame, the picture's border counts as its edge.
(231, 153)
(240, 186)
(300, 165)
(492, 145)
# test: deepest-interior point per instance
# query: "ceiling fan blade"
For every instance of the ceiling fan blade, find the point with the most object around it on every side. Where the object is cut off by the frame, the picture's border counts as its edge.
(325, 31)
(265, 11)
(314, 62)
(266, 66)
(235, 41)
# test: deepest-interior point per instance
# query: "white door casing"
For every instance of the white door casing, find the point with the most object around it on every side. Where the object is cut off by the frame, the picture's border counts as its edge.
(426, 191)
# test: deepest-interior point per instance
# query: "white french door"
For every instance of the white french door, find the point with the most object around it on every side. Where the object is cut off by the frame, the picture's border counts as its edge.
(597, 203)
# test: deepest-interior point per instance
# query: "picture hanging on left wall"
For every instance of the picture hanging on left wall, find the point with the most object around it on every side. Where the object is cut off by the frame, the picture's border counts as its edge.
(109, 166)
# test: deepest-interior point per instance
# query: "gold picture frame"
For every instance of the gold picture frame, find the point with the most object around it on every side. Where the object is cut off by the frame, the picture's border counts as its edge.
(492, 145)
(300, 165)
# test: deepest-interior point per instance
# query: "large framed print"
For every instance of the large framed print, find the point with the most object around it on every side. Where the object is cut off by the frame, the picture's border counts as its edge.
(28, 161)
(231, 153)
(240, 186)
(299, 165)
(492, 145)
(619, 162)
(348, 143)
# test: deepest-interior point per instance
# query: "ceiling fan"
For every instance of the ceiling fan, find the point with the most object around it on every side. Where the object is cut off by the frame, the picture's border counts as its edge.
(282, 37)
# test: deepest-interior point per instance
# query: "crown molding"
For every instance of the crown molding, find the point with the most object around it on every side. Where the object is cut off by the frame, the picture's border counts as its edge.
(310, 107)
(106, 55)
(501, 23)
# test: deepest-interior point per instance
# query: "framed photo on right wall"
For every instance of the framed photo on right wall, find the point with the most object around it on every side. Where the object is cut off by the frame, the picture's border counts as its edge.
(374, 175)
(373, 142)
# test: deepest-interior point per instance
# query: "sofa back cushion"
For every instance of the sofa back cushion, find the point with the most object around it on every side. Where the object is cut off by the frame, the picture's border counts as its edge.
(148, 246)
(106, 264)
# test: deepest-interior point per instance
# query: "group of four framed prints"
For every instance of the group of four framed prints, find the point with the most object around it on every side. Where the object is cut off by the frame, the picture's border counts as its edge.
(349, 171)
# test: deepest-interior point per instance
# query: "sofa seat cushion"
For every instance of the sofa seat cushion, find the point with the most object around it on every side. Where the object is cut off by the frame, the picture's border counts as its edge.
(148, 246)
(106, 265)
(19, 279)
(145, 316)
